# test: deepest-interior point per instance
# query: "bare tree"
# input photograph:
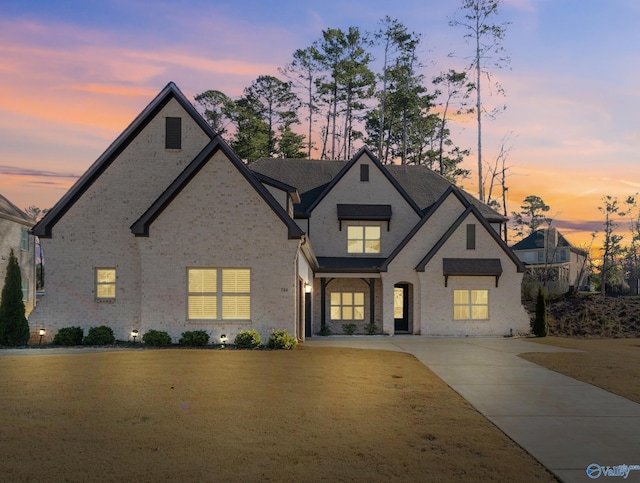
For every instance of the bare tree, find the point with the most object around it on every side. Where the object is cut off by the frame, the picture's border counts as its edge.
(477, 19)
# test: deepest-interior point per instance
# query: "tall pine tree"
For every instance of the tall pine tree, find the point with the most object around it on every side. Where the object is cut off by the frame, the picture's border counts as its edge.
(14, 329)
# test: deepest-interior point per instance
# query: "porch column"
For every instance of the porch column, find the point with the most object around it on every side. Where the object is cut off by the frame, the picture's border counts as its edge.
(372, 301)
(323, 305)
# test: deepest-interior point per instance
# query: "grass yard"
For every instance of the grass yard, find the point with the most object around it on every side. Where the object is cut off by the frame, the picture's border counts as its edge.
(612, 364)
(312, 414)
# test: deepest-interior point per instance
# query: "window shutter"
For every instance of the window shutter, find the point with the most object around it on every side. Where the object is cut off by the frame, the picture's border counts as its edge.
(173, 133)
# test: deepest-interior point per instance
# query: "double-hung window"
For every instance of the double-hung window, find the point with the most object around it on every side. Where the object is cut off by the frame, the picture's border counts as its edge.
(470, 304)
(347, 306)
(363, 239)
(105, 283)
(219, 293)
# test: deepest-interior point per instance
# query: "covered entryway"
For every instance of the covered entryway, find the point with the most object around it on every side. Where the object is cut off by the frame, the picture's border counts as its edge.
(402, 307)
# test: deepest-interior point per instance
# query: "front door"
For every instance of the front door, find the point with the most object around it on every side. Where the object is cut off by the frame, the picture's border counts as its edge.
(401, 307)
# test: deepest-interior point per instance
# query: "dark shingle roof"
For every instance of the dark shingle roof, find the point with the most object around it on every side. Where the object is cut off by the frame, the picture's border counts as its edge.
(10, 211)
(536, 241)
(311, 176)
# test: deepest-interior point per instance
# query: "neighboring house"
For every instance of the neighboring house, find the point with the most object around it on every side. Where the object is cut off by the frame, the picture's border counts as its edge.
(547, 254)
(14, 234)
(169, 230)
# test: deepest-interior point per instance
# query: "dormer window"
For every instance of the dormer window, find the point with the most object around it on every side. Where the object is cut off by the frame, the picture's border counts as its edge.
(173, 133)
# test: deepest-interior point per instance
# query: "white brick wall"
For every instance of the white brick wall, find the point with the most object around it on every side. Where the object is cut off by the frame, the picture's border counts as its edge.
(218, 220)
(95, 232)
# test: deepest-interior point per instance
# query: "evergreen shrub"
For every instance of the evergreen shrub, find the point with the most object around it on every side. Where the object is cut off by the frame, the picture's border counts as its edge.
(14, 329)
(69, 336)
(540, 324)
(156, 338)
(281, 339)
(194, 338)
(101, 335)
(248, 339)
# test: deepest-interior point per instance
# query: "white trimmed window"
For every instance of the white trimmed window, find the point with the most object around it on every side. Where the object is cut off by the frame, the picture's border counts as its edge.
(363, 239)
(347, 306)
(219, 293)
(105, 283)
(25, 290)
(24, 240)
(470, 304)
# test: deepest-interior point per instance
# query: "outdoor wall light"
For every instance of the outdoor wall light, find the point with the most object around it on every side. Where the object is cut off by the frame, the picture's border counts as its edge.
(42, 332)
(134, 334)
(307, 288)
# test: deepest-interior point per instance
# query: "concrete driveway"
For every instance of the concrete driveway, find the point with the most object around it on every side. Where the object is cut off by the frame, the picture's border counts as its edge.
(569, 426)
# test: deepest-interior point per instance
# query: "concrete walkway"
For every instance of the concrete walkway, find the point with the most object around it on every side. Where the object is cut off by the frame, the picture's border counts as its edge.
(565, 424)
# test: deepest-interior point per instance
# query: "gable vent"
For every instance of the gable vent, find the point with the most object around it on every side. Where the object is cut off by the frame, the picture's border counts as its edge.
(173, 133)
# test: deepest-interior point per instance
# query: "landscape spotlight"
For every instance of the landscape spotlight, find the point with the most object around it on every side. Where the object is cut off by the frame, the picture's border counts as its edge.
(42, 332)
(134, 334)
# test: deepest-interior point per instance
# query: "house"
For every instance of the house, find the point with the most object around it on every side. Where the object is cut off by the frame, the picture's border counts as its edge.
(169, 230)
(547, 254)
(14, 235)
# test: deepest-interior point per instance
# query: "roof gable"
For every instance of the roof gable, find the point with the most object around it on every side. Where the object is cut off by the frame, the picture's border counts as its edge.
(363, 151)
(470, 211)
(44, 227)
(9, 211)
(142, 225)
(451, 190)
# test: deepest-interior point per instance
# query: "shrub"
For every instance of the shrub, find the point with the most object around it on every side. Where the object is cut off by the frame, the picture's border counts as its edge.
(281, 339)
(194, 338)
(157, 338)
(102, 335)
(349, 329)
(372, 329)
(69, 336)
(248, 339)
(14, 329)
(324, 331)
(540, 325)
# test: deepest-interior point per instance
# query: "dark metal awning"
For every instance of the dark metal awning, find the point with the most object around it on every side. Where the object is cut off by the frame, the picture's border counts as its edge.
(471, 267)
(349, 264)
(364, 213)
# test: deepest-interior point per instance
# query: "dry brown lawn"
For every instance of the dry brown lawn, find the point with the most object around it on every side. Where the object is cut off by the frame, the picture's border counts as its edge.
(612, 364)
(312, 414)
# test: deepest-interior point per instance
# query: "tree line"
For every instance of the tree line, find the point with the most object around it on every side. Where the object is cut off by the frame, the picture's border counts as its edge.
(332, 92)
(616, 271)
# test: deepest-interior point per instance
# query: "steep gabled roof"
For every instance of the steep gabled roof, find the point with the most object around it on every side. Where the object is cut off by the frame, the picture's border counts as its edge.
(9, 211)
(469, 209)
(44, 227)
(141, 226)
(312, 177)
(291, 190)
(434, 207)
(376, 163)
(537, 240)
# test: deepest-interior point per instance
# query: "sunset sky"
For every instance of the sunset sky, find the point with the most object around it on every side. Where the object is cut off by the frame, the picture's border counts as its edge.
(74, 74)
